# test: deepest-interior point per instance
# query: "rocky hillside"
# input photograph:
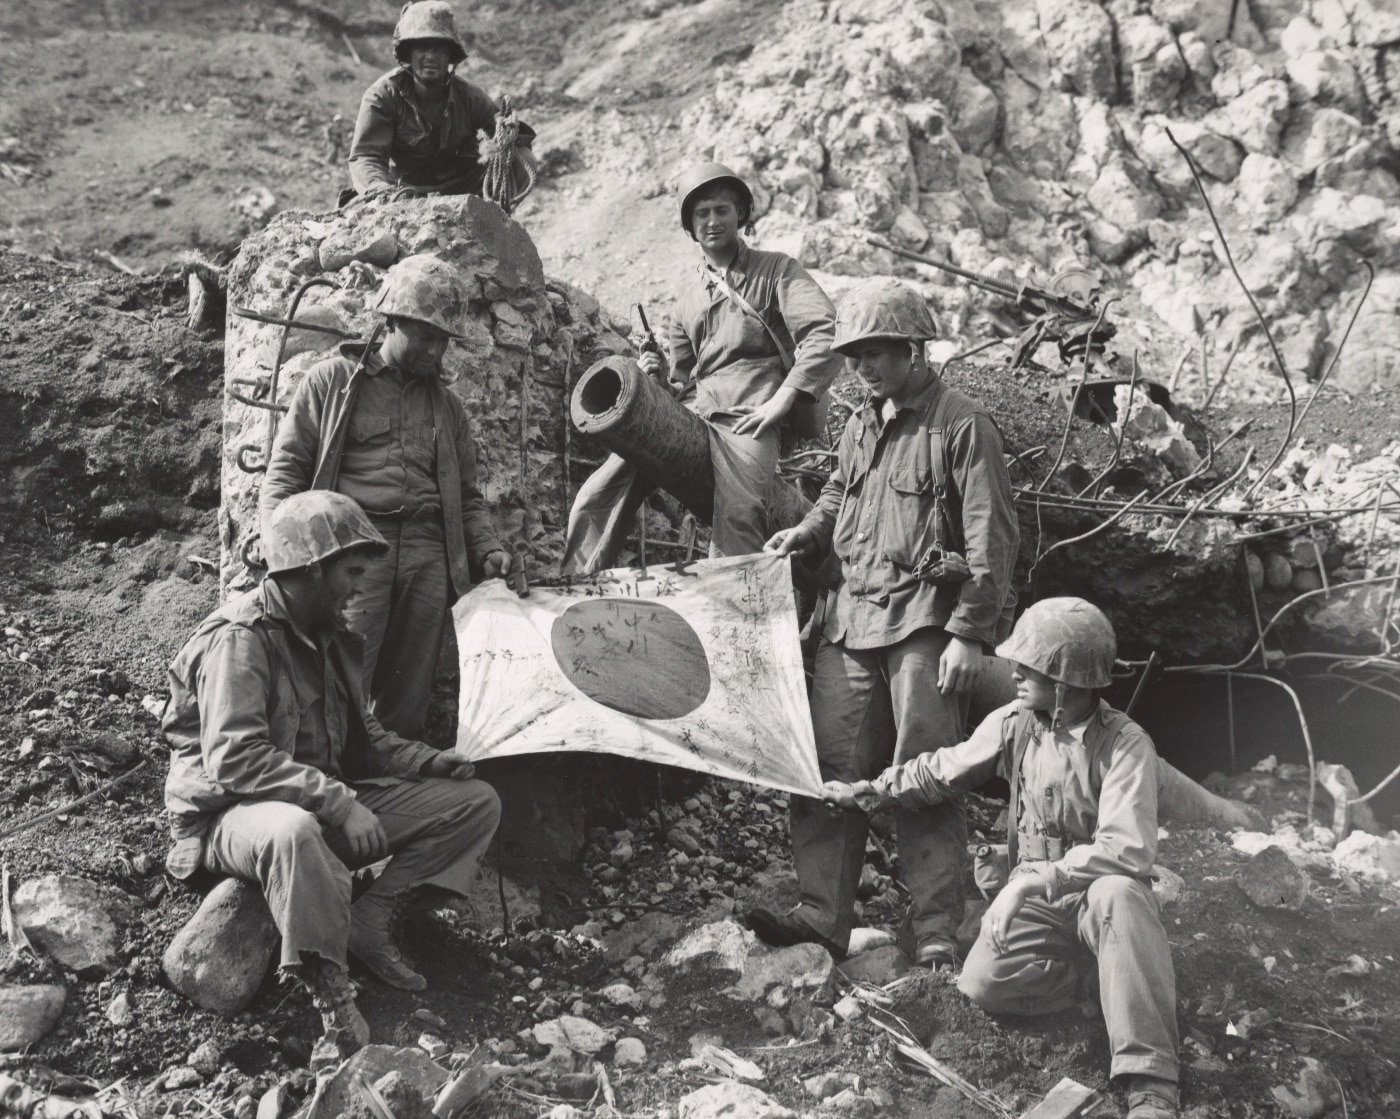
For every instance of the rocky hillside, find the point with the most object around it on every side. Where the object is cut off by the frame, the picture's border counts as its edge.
(1020, 138)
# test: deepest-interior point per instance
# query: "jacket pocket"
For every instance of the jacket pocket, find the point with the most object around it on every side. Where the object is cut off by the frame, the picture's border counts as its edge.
(908, 517)
(367, 444)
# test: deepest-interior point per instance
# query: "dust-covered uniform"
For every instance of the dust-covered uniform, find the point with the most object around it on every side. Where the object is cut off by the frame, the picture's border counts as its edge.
(271, 743)
(1083, 820)
(728, 360)
(875, 696)
(398, 143)
(408, 459)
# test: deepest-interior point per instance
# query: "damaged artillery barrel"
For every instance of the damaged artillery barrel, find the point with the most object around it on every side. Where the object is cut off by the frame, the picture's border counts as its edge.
(635, 418)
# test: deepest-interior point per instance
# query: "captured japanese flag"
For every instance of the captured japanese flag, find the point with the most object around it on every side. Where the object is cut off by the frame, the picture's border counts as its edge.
(695, 666)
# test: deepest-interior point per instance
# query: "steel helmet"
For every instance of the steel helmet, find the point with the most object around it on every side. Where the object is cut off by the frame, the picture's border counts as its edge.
(1069, 640)
(427, 19)
(314, 526)
(425, 288)
(881, 307)
(698, 176)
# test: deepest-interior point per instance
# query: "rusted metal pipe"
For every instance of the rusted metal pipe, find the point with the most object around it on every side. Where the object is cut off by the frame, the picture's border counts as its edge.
(632, 416)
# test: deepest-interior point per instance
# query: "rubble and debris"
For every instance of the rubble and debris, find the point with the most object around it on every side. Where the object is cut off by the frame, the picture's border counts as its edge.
(1271, 879)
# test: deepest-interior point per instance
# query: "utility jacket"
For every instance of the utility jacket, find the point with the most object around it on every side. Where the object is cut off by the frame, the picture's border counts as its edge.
(727, 356)
(880, 510)
(332, 440)
(1083, 798)
(235, 723)
(394, 129)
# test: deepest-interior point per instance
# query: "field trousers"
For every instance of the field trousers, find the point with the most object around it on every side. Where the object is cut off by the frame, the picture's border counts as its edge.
(1116, 920)
(604, 513)
(438, 829)
(400, 608)
(872, 708)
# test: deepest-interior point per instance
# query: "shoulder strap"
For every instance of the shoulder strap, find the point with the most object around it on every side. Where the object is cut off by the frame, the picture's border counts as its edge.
(744, 305)
(1013, 750)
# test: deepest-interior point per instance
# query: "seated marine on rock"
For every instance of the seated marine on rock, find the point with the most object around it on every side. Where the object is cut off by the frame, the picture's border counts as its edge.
(281, 775)
(417, 130)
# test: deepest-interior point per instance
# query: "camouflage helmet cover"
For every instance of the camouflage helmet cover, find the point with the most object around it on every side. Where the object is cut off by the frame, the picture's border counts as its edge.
(1069, 640)
(698, 176)
(881, 307)
(425, 288)
(315, 526)
(427, 19)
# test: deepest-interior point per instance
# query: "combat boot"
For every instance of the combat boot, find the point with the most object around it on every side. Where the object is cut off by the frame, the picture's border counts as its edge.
(371, 942)
(1150, 1097)
(345, 1029)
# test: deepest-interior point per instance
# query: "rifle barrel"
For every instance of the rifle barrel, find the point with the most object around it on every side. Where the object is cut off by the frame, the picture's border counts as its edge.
(986, 282)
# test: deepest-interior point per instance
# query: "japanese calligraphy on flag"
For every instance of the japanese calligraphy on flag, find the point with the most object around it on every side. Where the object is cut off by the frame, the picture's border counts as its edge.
(698, 667)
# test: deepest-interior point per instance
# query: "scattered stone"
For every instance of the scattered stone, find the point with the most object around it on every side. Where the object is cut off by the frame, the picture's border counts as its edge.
(622, 994)
(1272, 881)
(571, 1032)
(731, 1100)
(722, 946)
(113, 747)
(827, 1084)
(182, 1077)
(218, 960)
(629, 1053)
(1312, 1094)
(74, 920)
(1267, 186)
(848, 1007)
(684, 842)
(848, 1102)
(28, 1013)
(1375, 858)
(428, 1018)
(878, 967)
(799, 967)
(119, 1009)
(434, 1046)
(1167, 885)
(207, 1059)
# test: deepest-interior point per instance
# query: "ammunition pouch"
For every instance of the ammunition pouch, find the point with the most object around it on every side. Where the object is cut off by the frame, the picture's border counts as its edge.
(1040, 848)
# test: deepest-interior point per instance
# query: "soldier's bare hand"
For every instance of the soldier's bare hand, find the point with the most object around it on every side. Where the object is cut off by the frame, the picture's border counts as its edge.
(840, 794)
(790, 540)
(496, 565)
(365, 834)
(996, 922)
(960, 666)
(651, 364)
(755, 421)
(452, 766)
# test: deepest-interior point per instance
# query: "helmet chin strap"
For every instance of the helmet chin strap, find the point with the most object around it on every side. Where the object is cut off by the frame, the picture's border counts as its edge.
(1059, 717)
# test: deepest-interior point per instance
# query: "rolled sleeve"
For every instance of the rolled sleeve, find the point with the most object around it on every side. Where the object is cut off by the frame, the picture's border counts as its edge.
(990, 532)
(234, 682)
(1125, 839)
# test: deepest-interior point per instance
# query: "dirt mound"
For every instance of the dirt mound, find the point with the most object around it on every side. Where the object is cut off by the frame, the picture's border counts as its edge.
(108, 425)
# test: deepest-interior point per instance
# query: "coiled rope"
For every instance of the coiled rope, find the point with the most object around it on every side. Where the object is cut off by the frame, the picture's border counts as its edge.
(510, 171)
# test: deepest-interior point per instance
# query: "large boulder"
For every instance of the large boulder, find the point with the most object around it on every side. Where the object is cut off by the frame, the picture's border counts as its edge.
(74, 920)
(221, 956)
(28, 1013)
